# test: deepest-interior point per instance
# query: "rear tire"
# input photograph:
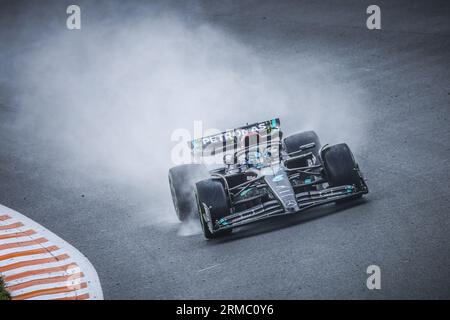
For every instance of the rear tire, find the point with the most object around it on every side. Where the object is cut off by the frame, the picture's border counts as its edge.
(182, 181)
(211, 193)
(341, 168)
(294, 142)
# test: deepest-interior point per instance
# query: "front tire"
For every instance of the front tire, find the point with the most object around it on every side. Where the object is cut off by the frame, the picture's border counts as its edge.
(211, 196)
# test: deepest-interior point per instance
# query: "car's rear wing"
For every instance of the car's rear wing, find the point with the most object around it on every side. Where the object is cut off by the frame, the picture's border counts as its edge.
(230, 140)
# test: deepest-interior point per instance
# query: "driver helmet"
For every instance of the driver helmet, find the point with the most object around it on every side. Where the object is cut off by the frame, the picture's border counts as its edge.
(253, 156)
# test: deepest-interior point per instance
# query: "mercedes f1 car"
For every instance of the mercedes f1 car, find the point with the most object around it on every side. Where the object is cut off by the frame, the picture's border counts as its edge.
(263, 175)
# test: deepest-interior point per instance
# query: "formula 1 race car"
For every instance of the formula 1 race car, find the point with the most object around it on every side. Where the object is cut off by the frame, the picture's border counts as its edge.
(262, 176)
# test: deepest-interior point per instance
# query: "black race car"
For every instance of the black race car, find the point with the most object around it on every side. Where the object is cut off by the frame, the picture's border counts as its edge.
(263, 175)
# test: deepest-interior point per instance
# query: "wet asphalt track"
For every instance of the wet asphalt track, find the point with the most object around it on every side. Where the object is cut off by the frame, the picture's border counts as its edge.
(403, 225)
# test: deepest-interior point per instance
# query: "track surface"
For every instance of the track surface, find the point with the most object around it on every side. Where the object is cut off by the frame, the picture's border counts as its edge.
(403, 226)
